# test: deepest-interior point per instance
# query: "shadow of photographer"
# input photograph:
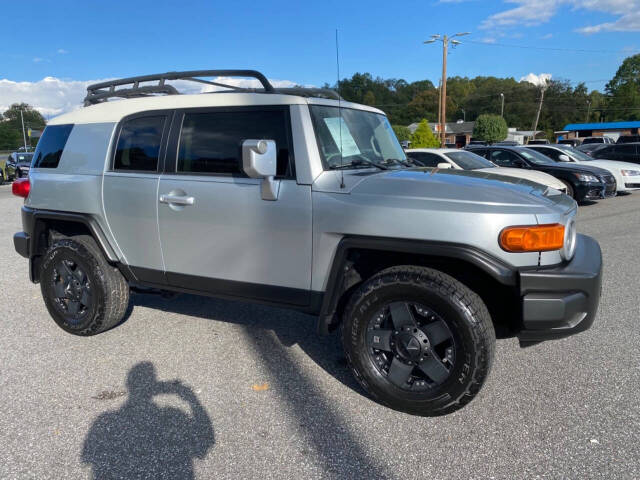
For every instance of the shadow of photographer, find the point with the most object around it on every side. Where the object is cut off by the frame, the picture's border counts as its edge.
(143, 439)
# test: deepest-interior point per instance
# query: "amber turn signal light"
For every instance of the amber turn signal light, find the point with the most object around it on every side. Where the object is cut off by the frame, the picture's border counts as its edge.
(532, 238)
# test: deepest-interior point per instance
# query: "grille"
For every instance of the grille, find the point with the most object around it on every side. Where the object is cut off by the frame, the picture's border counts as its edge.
(610, 185)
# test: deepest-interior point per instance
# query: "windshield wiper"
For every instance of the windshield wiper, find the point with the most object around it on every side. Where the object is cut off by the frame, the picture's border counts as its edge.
(360, 161)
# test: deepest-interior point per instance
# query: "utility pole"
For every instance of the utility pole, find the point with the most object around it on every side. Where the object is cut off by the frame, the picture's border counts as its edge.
(464, 115)
(24, 136)
(502, 107)
(588, 111)
(443, 89)
(535, 125)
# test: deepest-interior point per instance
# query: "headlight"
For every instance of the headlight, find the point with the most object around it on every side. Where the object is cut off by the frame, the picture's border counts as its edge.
(569, 247)
(583, 177)
(630, 173)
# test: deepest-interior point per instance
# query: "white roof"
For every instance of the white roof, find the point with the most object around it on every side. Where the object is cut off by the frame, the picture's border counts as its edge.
(113, 111)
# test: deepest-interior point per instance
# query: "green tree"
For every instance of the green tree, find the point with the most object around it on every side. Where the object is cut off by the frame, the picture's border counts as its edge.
(490, 128)
(12, 124)
(369, 98)
(624, 91)
(403, 133)
(423, 136)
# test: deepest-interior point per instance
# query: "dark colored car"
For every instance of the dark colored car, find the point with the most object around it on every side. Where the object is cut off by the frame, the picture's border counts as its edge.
(628, 139)
(18, 165)
(540, 141)
(574, 142)
(583, 182)
(623, 152)
(589, 148)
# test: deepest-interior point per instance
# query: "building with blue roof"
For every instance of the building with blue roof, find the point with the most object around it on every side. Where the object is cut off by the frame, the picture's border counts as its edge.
(609, 129)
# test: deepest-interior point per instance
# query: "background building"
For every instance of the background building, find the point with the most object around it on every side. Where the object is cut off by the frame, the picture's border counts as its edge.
(609, 129)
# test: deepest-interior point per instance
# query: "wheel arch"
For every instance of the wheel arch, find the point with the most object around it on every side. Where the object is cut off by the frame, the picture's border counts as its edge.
(44, 226)
(357, 258)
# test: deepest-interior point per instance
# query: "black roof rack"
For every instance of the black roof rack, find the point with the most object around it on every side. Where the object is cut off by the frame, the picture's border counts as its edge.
(101, 92)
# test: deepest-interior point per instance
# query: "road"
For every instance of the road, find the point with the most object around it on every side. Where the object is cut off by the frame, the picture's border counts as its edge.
(223, 390)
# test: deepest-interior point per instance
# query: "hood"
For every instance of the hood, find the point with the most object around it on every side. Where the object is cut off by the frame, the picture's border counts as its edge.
(576, 167)
(532, 175)
(460, 186)
(609, 164)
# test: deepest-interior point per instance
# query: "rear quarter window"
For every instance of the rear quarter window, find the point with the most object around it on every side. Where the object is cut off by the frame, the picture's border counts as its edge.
(51, 146)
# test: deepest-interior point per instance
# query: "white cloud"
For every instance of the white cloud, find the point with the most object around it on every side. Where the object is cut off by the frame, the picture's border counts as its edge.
(528, 12)
(37, 59)
(53, 96)
(536, 12)
(547, 36)
(62, 51)
(537, 80)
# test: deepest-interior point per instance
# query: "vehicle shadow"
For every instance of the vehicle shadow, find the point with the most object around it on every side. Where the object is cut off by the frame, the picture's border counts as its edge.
(271, 332)
(144, 440)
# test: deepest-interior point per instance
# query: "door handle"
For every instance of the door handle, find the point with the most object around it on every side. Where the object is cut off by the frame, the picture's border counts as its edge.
(177, 199)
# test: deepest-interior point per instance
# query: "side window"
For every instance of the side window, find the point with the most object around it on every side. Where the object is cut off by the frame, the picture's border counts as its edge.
(138, 146)
(503, 158)
(426, 159)
(212, 142)
(550, 152)
(51, 145)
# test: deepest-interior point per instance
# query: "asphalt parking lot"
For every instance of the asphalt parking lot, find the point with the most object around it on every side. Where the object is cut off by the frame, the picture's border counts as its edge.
(246, 391)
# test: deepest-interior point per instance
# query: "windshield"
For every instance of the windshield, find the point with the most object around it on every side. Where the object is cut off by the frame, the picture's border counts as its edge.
(577, 154)
(366, 138)
(469, 161)
(24, 158)
(535, 157)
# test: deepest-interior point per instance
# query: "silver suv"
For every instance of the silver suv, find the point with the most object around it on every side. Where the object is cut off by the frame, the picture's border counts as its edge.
(293, 198)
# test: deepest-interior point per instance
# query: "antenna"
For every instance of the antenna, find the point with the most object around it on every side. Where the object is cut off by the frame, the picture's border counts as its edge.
(339, 110)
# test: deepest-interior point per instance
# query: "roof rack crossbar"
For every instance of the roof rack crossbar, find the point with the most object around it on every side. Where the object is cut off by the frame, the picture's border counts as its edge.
(217, 84)
(96, 94)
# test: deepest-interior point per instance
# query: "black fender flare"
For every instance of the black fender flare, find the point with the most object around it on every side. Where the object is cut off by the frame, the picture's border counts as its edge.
(34, 220)
(494, 267)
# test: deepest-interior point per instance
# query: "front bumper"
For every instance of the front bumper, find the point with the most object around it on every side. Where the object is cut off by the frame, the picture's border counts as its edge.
(563, 300)
(590, 191)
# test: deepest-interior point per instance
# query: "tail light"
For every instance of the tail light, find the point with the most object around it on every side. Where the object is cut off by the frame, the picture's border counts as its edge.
(21, 187)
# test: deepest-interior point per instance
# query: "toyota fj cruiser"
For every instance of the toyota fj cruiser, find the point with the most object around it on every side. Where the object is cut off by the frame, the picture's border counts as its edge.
(297, 198)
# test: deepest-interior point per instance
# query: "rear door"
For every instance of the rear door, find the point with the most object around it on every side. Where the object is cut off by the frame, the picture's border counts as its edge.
(224, 238)
(130, 187)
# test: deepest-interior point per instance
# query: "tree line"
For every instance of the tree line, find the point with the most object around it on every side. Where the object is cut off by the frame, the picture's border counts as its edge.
(11, 126)
(468, 98)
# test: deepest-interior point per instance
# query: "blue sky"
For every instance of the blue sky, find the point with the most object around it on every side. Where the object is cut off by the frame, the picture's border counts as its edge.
(75, 42)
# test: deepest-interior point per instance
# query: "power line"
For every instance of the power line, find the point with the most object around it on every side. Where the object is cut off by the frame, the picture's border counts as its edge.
(556, 49)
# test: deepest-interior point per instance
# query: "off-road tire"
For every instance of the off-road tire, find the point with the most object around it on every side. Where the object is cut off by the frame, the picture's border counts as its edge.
(109, 289)
(463, 311)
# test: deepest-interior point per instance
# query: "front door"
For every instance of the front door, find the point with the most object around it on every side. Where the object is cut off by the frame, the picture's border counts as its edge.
(219, 235)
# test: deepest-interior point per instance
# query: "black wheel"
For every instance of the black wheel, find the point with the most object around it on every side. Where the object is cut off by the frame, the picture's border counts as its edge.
(16, 174)
(569, 189)
(1, 177)
(418, 340)
(83, 293)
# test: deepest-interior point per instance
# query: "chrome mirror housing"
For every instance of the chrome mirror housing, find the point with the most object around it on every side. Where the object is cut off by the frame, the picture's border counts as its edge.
(259, 160)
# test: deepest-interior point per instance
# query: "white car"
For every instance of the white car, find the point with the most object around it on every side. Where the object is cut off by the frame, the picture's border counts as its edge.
(627, 175)
(465, 160)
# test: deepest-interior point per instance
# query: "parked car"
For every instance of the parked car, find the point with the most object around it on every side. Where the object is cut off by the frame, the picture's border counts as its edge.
(466, 160)
(18, 165)
(601, 140)
(627, 175)
(583, 182)
(205, 194)
(589, 148)
(539, 141)
(511, 143)
(623, 152)
(628, 139)
(574, 142)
